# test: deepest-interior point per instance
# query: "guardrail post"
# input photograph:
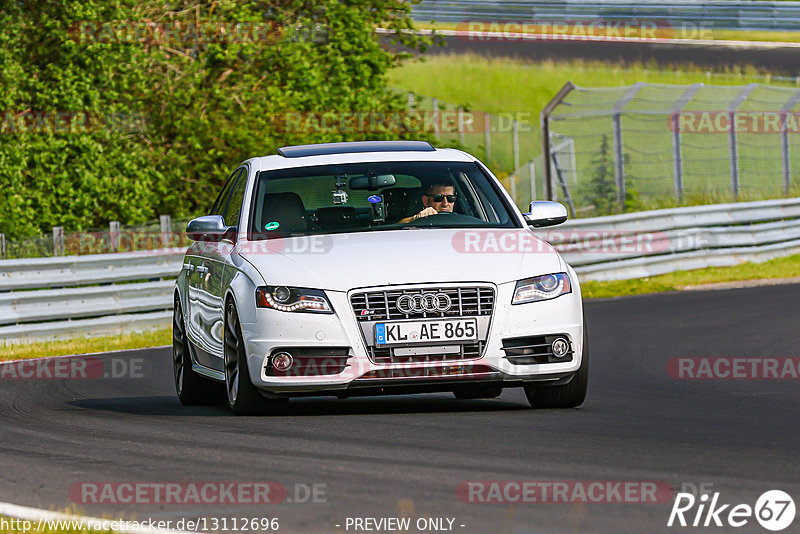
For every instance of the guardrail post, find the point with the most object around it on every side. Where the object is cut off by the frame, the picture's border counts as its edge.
(487, 135)
(113, 235)
(166, 229)
(58, 241)
(410, 100)
(2, 246)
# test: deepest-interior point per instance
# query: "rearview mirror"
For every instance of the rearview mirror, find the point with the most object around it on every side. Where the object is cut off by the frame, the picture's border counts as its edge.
(372, 183)
(545, 213)
(210, 228)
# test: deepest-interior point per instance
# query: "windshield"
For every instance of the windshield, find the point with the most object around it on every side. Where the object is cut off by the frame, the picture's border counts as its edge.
(363, 197)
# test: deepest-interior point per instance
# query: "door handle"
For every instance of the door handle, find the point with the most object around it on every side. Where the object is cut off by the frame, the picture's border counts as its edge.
(188, 267)
(202, 269)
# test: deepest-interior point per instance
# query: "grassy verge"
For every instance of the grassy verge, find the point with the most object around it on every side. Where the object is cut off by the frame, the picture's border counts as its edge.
(87, 345)
(507, 85)
(662, 32)
(787, 267)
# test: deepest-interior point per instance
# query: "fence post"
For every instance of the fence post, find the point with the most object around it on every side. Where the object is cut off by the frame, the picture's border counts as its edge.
(785, 155)
(619, 155)
(58, 241)
(410, 100)
(113, 235)
(487, 135)
(166, 229)
(544, 122)
(677, 151)
(732, 143)
(436, 118)
(516, 144)
(532, 173)
(2, 246)
(461, 125)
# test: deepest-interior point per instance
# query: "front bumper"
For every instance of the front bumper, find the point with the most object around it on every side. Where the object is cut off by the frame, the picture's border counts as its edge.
(274, 330)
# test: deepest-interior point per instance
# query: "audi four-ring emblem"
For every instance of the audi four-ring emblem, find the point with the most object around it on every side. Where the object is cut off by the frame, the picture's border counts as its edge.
(424, 302)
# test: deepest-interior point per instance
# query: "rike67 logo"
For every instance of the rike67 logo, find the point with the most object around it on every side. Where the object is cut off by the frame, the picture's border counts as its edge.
(774, 510)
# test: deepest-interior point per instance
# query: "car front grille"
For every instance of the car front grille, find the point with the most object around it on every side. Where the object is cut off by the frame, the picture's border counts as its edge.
(382, 305)
(371, 307)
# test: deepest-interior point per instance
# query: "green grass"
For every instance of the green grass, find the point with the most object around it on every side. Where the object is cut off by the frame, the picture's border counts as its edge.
(787, 267)
(83, 345)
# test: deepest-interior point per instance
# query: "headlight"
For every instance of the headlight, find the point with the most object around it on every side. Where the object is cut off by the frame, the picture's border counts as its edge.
(292, 299)
(544, 287)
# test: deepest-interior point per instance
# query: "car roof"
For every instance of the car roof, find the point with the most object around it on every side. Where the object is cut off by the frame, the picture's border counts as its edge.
(377, 152)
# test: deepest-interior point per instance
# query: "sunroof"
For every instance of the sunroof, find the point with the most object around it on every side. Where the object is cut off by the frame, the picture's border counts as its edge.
(322, 149)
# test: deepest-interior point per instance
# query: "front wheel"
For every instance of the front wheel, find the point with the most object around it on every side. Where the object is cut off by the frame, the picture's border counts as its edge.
(243, 396)
(192, 389)
(569, 395)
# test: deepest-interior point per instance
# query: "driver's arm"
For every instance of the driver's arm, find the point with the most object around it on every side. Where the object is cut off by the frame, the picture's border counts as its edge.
(424, 213)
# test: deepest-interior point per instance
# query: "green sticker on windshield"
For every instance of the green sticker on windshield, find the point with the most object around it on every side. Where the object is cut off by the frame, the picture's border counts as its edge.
(272, 225)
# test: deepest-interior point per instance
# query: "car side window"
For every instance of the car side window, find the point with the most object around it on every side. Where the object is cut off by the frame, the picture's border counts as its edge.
(234, 206)
(222, 199)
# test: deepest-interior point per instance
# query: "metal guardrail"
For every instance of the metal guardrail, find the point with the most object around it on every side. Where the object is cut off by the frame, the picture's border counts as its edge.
(635, 245)
(94, 295)
(742, 14)
(49, 298)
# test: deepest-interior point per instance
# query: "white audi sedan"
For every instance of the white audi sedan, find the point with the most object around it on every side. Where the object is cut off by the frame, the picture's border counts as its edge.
(374, 268)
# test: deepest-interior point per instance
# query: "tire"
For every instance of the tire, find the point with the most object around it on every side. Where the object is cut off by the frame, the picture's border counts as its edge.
(242, 396)
(192, 389)
(477, 392)
(569, 395)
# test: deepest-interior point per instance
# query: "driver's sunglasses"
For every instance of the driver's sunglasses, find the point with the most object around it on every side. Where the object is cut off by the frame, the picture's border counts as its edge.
(440, 198)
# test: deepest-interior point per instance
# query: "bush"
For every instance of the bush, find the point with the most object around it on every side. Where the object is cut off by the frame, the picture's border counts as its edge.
(156, 126)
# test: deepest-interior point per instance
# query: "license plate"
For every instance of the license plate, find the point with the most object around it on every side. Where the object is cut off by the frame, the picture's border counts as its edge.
(396, 333)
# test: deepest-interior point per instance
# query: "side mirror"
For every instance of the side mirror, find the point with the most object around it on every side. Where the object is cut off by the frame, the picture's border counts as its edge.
(210, 228)
(545, 213)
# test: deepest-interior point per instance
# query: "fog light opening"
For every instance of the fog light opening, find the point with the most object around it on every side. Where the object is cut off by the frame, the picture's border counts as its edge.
(560, 347)
(282, 361)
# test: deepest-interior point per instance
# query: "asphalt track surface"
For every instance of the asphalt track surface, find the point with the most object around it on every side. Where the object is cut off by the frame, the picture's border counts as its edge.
(405, 456)
(782, 60)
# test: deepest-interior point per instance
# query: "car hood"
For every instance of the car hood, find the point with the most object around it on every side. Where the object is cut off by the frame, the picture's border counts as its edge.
(340, 262)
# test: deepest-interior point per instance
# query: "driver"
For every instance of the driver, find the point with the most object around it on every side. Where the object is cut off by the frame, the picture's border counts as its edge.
(438, 197)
